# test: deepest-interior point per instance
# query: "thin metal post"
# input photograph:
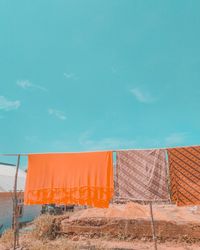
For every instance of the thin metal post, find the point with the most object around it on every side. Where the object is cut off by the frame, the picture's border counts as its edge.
(153, 227)
(15, 208)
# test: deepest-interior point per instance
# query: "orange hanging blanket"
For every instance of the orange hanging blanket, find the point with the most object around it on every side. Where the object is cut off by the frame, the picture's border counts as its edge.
(71, 178)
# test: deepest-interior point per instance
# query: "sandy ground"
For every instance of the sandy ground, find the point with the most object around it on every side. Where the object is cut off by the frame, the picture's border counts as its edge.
(133, 210)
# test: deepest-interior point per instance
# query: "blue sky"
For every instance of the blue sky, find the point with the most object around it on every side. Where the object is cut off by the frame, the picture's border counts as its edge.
(90, 75)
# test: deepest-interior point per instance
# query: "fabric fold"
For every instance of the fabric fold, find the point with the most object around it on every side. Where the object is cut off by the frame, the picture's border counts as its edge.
(142, 175)
(71, 178)
(184, 169)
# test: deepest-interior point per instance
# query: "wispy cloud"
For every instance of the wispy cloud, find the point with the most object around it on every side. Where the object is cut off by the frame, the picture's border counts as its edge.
(71, 76)
(175, 139)
(8, 105)
(57, 113)
(88, 143)
(26, 84)
(142, 96)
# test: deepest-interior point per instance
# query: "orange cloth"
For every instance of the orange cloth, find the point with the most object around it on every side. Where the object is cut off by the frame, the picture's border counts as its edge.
(71, 178)
(184, 166)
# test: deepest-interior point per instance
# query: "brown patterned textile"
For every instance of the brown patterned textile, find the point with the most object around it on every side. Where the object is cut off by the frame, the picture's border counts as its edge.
(185, 175)
(142, 175)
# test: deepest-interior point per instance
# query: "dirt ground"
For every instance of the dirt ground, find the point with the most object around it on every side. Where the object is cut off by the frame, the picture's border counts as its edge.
(133, 221)
(120, 227)
(133, 210)
(65, 244)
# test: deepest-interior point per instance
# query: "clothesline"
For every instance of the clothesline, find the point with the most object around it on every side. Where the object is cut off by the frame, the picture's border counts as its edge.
(131, 167)
(114, 151)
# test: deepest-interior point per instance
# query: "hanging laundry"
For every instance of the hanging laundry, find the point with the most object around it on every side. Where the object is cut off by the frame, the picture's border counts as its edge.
(142, 175)
(71, 178)
(185, 175)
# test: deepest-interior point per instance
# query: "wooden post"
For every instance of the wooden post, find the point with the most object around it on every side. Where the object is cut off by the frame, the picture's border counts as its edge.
(153, 227)
(15, 208)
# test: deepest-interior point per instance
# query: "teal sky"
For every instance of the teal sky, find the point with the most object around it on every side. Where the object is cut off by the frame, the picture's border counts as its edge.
(85, 75)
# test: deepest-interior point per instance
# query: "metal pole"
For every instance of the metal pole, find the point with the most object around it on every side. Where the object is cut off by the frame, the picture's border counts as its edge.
(15, 207)
(153, 227)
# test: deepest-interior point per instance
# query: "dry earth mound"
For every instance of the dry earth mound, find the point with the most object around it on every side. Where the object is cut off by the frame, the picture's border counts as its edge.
(132, 220)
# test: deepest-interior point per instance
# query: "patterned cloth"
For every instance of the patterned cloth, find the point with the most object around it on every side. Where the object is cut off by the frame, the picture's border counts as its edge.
(185, 175)
(142, 175)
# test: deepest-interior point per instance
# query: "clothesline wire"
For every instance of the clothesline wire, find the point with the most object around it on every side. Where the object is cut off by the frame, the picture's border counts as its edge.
(114, 151)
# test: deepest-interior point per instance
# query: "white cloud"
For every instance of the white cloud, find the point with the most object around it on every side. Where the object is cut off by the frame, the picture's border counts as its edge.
(70, 76)
(26, 84)
(108, 143)
(8, 105)
(175, 139)
(142, 96)
(57, 113)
